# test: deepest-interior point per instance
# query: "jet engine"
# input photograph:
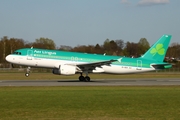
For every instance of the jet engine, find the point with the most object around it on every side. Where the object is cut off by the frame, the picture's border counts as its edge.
(64, 70)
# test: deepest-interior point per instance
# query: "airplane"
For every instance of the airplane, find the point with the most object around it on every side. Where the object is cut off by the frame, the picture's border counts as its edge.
(70, 63)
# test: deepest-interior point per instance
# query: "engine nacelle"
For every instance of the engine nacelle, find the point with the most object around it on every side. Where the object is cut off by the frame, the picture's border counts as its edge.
(65, 70)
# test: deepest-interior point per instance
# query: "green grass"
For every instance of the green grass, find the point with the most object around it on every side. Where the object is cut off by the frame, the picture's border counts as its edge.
(90, 103)
(50, 76)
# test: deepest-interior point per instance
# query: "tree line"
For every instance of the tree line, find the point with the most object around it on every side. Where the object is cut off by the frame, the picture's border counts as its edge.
(110, 47)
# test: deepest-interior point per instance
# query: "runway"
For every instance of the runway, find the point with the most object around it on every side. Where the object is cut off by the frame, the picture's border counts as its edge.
(98, 82)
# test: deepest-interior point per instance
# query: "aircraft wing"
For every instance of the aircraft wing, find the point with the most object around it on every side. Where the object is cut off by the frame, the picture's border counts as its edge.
(91, 66)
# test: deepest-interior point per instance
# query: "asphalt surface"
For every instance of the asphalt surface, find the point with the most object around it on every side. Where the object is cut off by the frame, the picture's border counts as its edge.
(101, 82)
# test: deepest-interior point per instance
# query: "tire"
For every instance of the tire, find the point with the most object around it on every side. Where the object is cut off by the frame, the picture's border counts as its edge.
(87, 78)
(81, 78)
(27, 74)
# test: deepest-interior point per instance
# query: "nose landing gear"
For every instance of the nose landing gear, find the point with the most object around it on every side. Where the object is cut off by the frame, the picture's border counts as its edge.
(27, 71)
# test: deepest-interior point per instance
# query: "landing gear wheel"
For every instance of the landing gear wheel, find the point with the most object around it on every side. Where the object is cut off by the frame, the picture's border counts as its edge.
(27, 74)
(81, 78)
(87, 78)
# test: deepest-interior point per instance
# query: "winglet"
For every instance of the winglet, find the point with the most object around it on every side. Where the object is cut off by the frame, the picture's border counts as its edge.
(158, 51)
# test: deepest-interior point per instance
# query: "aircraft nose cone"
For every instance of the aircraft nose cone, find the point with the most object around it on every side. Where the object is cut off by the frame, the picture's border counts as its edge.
(8, 58)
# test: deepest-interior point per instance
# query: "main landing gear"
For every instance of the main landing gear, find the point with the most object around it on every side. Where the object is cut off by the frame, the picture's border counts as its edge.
(27, 71)
(82, 78)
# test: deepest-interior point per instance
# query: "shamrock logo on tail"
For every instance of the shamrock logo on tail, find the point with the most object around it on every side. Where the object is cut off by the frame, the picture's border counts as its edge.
(158, 49)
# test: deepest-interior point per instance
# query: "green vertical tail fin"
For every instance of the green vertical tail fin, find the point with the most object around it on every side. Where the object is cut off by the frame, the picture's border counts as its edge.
(158, 51)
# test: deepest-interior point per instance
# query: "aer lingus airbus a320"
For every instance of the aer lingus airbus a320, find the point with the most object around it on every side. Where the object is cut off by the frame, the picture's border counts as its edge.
(69, 63)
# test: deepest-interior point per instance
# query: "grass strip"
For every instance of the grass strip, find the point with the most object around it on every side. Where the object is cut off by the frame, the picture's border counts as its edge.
(90, 103)
(50, 76)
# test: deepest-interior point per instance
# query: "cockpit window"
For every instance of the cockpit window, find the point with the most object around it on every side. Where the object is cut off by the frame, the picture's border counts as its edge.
(17, 53)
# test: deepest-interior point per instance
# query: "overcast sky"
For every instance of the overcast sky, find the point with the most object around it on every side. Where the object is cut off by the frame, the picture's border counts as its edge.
(88, 22)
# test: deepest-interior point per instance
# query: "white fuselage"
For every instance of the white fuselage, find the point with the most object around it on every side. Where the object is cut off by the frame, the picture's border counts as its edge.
(54, 63)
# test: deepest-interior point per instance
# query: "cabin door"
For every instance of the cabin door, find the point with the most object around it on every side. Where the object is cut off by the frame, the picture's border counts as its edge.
(139, 64)
(29, 54)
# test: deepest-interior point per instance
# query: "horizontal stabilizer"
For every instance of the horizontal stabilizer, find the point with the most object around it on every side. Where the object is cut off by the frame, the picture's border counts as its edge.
(161, 66)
